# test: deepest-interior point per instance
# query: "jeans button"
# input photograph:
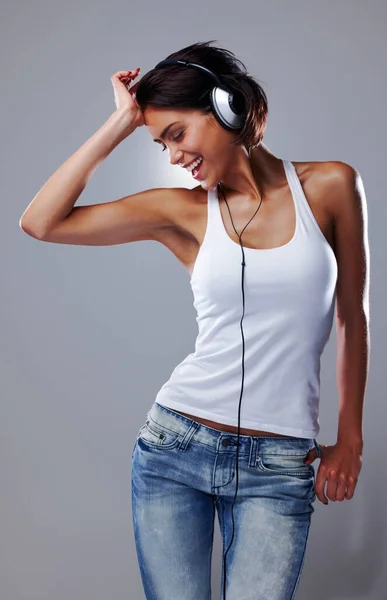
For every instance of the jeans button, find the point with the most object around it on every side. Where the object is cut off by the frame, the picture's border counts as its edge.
(225, 442)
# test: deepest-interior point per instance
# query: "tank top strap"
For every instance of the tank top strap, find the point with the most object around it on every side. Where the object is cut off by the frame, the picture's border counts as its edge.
(308, 223)
(294, 184)
(214, 218)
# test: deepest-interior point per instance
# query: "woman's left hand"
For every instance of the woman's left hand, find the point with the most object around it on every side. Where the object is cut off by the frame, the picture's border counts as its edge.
(339, 467)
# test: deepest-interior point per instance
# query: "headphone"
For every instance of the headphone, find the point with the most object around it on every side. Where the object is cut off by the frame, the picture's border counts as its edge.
(225, 104)
(225, 108)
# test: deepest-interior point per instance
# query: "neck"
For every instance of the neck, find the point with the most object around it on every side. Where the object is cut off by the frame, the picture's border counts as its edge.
(251, 176)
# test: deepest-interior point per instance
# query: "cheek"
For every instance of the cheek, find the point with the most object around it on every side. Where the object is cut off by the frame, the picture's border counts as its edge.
(200, 138)
(196, 143)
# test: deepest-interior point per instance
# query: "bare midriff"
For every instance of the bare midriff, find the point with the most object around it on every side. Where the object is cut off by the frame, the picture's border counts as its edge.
(230, 428)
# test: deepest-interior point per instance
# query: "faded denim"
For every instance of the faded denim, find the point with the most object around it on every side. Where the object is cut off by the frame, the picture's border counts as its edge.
(182, 472)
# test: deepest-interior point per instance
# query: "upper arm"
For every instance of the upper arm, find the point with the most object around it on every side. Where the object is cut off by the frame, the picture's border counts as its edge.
(349, 207)
(130, 219)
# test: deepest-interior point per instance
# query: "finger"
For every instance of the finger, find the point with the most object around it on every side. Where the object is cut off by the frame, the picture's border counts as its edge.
(311, 456)
(131, 75)
(120, 74)
(125, 74)
(332, 485)
(351, 485)
(341, 487)
(319, 486)
(126, 80)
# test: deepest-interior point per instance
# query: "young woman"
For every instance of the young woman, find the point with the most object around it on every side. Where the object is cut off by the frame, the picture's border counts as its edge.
(300, 231)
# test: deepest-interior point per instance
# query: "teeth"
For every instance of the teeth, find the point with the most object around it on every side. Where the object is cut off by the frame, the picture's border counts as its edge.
(194, 164)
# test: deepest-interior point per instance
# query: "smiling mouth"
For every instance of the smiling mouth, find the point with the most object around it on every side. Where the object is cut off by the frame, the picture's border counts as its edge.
(189, 165)
(196, 170)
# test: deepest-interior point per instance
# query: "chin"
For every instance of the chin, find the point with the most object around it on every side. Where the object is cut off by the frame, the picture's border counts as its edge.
(205, 185)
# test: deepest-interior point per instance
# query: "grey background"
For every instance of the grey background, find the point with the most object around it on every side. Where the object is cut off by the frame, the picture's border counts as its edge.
(89, 334)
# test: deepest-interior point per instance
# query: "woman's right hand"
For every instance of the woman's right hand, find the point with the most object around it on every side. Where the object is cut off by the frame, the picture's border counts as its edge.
(125, 98)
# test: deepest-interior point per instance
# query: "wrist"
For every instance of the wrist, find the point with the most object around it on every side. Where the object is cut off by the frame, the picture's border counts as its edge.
(121, 124)
(351, 441)
(121, 117)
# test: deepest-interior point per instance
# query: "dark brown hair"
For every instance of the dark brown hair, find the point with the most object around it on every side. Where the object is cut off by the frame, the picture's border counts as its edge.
(176, 86)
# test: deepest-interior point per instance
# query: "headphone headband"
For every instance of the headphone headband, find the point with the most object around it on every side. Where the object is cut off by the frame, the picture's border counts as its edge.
(221, 97)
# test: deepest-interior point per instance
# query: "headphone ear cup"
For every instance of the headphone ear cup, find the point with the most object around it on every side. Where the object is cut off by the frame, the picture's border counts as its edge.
(221, 107)
(215, 112)
(238, 104)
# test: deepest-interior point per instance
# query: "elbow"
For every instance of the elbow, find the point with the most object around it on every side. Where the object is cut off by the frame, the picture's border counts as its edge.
(29, 230)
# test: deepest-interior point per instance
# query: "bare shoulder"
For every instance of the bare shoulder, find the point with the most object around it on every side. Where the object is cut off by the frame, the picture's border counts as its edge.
(327, 183)
(325, 172)
(184, 207)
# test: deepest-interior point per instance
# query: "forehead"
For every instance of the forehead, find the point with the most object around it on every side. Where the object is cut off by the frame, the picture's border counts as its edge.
(156, 119)
(156, 116)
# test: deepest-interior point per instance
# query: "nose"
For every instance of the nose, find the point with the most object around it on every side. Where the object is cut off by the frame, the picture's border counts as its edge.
(175, 157)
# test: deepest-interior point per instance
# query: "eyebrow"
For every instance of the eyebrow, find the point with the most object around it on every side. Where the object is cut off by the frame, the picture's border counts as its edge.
(163, 134)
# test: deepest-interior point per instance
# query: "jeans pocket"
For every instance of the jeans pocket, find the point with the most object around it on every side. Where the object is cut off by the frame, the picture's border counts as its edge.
(286, 464)
(157, 436)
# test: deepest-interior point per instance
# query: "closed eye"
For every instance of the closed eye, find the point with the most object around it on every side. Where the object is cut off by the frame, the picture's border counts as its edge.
(175, 139)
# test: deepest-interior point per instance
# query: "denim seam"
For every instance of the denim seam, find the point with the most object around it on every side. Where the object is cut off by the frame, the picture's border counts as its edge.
(301, 564)
(282, 471)
(162, 426)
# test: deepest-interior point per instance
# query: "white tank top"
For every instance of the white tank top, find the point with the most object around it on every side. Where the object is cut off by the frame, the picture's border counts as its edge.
(289, 305)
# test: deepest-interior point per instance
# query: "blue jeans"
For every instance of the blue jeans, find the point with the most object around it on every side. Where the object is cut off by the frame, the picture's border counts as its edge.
(182, 471)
